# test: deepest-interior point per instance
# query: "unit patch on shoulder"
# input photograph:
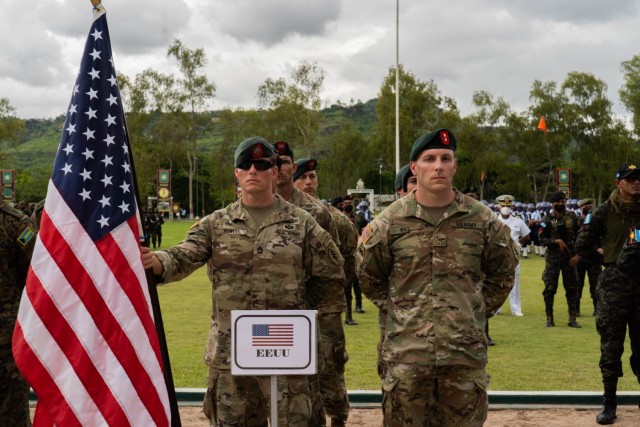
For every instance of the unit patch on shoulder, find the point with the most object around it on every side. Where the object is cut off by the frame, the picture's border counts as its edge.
(26, 236)
(367, 233)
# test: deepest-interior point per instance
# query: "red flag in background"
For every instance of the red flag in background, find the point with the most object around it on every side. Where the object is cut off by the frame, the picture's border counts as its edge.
(542, 125)
(85, 337)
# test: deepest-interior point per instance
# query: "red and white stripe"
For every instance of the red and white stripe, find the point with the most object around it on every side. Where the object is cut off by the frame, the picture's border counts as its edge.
(85, 338)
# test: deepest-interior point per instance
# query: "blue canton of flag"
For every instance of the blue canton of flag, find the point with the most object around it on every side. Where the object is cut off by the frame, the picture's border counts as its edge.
(274, 335)
(93, 144)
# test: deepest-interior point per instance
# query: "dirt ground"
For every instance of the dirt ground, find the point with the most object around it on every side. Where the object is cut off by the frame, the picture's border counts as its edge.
(628, 416)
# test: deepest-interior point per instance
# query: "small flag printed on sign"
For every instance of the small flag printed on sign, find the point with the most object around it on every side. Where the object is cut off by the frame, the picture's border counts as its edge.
(274, 335)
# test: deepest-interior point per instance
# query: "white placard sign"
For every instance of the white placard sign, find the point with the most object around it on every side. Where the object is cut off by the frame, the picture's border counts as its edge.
(273, 342)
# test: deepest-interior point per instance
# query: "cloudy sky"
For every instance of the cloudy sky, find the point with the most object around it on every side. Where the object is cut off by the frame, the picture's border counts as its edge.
(500, 46)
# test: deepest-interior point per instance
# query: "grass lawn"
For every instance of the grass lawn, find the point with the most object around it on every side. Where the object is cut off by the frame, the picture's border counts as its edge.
(527, 356)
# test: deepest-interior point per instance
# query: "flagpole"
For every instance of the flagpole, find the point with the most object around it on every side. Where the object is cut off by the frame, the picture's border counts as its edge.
(155, 304)
(153, 291)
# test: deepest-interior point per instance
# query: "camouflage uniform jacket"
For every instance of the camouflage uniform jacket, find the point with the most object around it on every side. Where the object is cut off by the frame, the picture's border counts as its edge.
(629, 258)
(17, 238)
(594, 231)
(288, 263)
(565, 228)
(333, 302)
(348, 235)
(438, 282)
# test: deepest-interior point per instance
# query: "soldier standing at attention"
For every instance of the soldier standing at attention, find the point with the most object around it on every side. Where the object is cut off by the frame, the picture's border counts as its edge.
(440, 263)
(262, 253)
(405, 182)
(559, 230)
(332, 386)
(584, 268)
(17, 237)
(520, 235)
(335, 302)
(603, 236)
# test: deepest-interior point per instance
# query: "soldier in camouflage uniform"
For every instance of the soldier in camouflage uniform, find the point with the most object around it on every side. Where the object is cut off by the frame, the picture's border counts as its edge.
(440, 263)
(558, 231)
(332, 386)
(603, 236)
(329, 323)
(17, 237)
(405, 182)
(262, 253)
(590, 269)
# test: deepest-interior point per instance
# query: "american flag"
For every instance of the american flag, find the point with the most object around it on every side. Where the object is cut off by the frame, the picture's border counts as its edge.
(85, 337)
(274, 335)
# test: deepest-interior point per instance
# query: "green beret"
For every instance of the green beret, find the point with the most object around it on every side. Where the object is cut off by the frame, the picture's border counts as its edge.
(402, 177)
(304, 165)
(283, 149)
(441, 138)
(253, 149)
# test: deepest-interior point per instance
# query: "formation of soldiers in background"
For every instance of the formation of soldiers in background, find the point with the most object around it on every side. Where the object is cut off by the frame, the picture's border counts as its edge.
(549, 222)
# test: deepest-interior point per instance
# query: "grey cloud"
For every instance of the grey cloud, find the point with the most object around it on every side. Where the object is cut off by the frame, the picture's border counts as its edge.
(135, 26)
(270, 22)
(574, 11)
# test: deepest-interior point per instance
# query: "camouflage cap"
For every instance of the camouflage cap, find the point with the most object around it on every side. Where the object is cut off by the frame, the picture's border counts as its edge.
(283, 149)
(304, 165)
(627, 169)
(583, 202)
(441, 138)
(253, 148)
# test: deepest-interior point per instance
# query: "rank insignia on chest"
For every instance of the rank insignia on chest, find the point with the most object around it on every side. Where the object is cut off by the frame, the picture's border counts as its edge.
(440, 240)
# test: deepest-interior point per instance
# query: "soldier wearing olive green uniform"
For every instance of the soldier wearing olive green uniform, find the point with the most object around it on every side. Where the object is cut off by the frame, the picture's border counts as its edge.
(17, 237)
(558, 232)
(335, 400)
(440, 263)
(273, 257)
(606, 236)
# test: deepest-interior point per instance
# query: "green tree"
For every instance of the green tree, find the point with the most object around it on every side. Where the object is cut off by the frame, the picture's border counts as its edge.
(348, 157)
(193, 94)
(422, 108)
(11, 129)
(588, 120)
(292, 106)
(630, 91)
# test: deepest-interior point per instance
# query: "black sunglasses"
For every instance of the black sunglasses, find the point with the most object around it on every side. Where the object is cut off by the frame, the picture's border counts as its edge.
(261, 165)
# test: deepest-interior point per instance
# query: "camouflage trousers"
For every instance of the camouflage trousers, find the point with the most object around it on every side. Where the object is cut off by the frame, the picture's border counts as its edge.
(14, 390)
(329, 391)
(415, 395)
(382, 323)
(244, 401)
(551, 276)
(618, 307)
(592, 271)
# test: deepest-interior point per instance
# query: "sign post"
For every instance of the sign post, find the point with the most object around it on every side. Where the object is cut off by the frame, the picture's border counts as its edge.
(273, 342)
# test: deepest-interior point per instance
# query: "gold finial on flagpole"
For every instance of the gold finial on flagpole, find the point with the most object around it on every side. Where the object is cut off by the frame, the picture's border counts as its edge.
(96, 3)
